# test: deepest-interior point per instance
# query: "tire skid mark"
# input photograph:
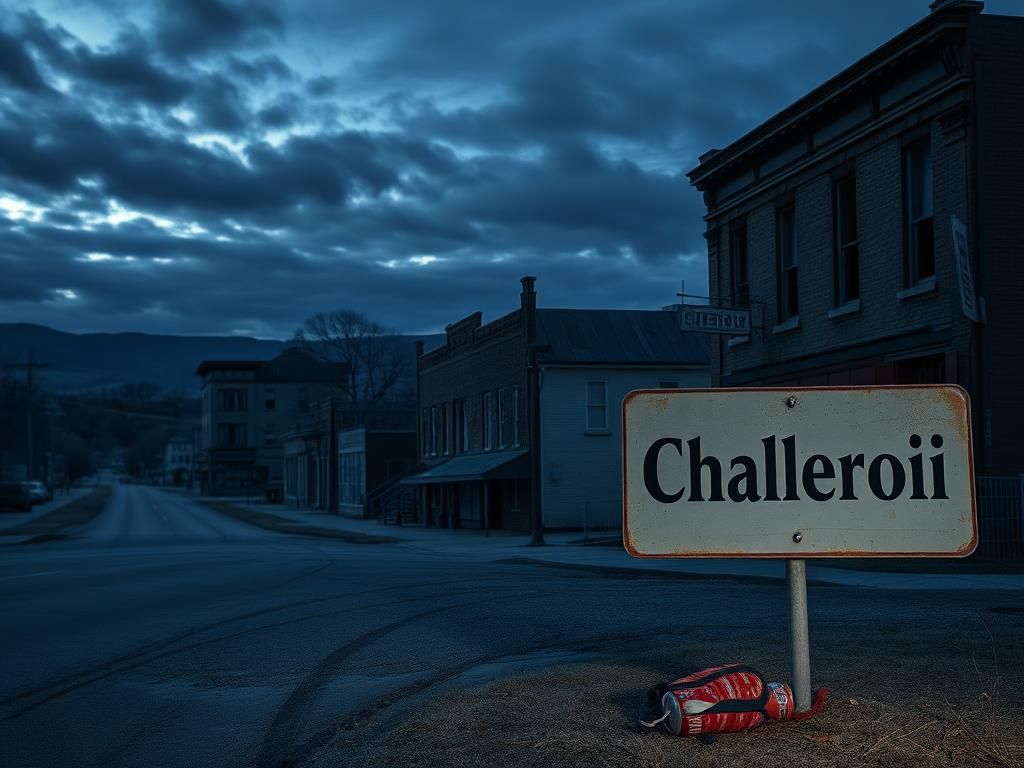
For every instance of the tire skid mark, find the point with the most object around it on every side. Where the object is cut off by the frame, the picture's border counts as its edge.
(191, 647)
(105, 669)
(277, 742)
(278, 747)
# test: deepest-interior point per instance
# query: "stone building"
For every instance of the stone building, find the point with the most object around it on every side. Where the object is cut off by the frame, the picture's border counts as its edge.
(873, 226)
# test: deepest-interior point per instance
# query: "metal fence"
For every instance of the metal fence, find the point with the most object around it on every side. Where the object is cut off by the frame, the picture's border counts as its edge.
(1000, 517)
(602, 519)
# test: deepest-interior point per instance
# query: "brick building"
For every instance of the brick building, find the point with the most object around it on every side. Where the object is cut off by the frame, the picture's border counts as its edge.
(247, 405)
(488, 393)
(318, 457)
(834, 222)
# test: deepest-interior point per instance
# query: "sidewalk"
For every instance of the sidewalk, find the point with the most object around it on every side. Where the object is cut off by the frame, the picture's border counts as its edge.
(565, 550)
(55, 519)
(16, 519)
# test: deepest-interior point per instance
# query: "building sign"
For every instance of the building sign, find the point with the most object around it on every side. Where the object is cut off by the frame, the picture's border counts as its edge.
(715, 320)
(964, 275)
(799, 473)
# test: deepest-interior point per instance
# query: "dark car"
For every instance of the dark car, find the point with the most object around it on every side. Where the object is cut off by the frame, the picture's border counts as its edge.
(38, 491)
(15, 496)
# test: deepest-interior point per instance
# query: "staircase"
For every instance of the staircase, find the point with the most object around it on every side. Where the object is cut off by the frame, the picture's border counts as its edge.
(394, 504)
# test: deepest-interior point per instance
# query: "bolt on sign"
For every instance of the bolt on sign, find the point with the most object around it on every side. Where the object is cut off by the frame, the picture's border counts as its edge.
(799, 473)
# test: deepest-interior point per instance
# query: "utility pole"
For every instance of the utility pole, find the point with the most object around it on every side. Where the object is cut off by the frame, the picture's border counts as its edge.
(29, 368)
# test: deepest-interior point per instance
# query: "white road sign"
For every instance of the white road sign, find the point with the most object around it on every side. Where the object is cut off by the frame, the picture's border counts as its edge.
(799, 473)
(733, 322)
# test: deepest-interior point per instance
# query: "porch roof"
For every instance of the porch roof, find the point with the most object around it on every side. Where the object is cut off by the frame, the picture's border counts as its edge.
(492, 465)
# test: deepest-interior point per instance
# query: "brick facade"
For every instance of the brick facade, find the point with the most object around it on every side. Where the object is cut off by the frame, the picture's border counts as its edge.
(953, 80)
(477, 362)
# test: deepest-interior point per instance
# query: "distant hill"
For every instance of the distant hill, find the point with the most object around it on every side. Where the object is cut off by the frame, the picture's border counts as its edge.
(86, 361)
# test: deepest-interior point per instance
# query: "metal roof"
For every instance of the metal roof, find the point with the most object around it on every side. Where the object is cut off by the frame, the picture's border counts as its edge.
(618, 336)
(290, 365)
(493, 465)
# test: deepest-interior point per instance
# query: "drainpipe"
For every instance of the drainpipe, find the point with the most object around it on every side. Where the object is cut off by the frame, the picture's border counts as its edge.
(528, 299)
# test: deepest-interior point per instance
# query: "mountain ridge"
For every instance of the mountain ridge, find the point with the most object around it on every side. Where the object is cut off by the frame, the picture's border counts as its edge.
(80, 362)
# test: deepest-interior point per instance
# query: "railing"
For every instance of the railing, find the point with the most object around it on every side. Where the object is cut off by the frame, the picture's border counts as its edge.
(1000, 517)
(393, 503)
(602, 519)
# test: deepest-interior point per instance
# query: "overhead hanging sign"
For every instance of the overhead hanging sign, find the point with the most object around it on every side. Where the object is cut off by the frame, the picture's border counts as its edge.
(799, 473)
(703, 319)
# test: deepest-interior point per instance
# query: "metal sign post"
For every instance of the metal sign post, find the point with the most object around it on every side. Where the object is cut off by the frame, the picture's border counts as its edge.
(800, 647)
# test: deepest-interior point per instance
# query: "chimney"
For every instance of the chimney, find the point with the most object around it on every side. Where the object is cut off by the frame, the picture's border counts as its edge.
(941, 5)
(528, 300)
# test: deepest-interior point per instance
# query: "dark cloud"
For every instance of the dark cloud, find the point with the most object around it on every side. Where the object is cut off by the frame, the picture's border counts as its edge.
(221, 166)
(126, 67)
(187, 27)
(220, 105)
(321, 86)
(17, 68)
(260, 70)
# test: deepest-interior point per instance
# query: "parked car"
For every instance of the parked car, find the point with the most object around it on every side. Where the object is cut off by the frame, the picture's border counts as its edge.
(39, 492)
(15, 496)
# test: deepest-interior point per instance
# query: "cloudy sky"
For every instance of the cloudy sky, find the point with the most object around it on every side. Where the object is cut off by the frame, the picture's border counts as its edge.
(222, 167)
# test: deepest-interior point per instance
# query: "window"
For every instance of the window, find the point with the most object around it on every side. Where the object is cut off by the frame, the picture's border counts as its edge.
(446, 430)
(458, 444)
(303, 399)
(785, 248)
(597, 406)
(353, 478)
(846, 256)
(231, 400)
(668, 385)
(231, 435)
(269, 399)
(503, 425)
(739, 271)
(515, 415)
(434, 437)
(488, 420)
(424, 432)
(464, 422)
(919, 234)
(269, 435)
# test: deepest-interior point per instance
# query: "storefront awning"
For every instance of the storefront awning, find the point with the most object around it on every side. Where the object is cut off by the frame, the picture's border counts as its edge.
(493, 465)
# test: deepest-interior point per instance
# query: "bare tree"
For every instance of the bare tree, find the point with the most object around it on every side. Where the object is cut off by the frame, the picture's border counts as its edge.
(375, 355)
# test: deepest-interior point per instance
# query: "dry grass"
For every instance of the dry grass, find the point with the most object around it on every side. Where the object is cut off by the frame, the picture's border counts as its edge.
(944, 698)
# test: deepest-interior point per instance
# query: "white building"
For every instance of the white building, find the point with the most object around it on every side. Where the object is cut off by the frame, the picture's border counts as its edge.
(178, 461)
(589, 361)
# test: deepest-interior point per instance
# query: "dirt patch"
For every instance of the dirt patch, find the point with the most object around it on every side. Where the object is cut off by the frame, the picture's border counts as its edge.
(74, 514)
(935, 699)
(283, 525)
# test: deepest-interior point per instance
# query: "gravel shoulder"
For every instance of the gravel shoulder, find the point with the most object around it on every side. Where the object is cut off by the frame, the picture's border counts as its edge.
(934, 699)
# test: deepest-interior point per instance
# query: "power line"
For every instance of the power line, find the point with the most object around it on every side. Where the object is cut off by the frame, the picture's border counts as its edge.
(135, 414)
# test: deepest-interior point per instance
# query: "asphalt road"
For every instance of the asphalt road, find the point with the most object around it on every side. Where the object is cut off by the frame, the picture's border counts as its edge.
(165, 634)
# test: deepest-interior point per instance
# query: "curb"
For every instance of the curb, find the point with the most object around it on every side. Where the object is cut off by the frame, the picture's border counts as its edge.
(269, 522)
(618, 570)
(681, 575)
